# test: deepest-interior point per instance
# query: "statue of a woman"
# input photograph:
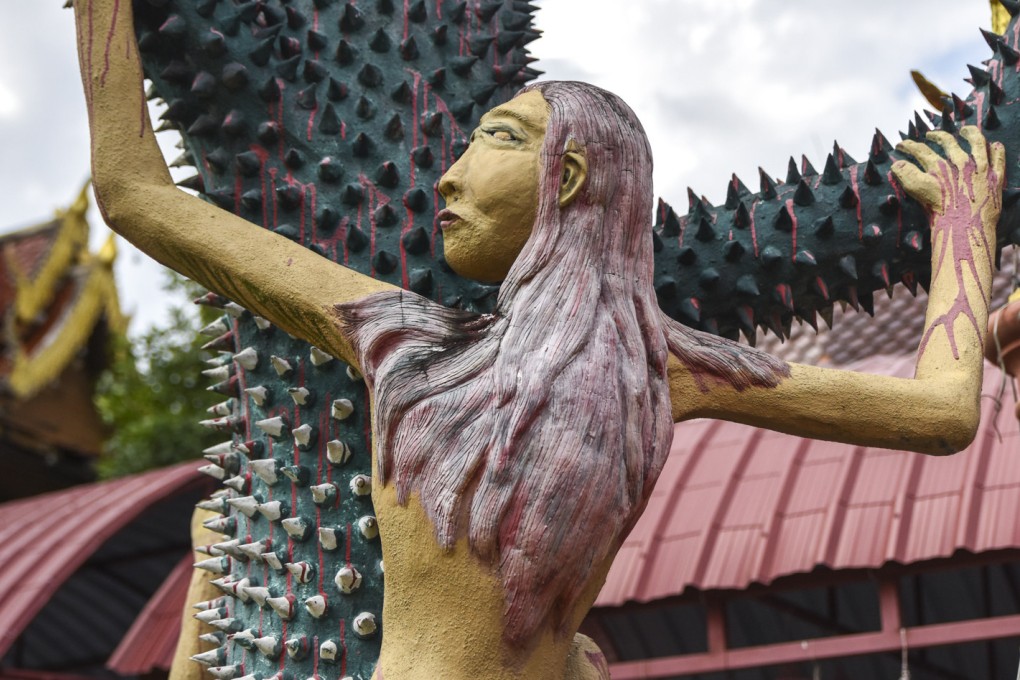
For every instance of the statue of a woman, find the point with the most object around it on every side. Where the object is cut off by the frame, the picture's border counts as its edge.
(513, 451)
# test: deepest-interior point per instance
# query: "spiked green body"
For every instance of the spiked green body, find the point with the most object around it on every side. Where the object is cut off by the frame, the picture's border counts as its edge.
(330, 122)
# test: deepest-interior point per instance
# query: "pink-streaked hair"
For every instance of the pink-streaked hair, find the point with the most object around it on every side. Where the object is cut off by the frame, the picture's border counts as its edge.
(539, 430)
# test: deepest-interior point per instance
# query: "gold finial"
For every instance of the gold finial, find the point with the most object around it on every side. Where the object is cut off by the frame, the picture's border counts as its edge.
(1000, 17)
(108, 251)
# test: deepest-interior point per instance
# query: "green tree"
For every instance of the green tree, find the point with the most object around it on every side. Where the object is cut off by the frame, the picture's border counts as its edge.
(153, 394)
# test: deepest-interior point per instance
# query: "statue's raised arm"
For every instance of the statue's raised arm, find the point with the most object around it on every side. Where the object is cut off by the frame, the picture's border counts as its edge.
(938, 410)
(139, 200)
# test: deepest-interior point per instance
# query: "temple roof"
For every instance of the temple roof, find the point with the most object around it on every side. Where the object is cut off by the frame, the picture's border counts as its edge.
(53, 294)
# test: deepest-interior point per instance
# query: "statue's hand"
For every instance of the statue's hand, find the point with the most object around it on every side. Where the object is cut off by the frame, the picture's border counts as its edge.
(960, 191)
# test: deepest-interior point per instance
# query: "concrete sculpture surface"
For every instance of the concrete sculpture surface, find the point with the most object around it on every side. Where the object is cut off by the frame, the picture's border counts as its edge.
(513, 449)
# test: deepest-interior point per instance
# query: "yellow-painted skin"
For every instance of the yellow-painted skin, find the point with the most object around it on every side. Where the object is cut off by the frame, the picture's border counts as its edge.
(443, 609)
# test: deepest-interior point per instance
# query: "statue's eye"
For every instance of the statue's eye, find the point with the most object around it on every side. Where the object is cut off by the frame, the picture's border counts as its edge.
(503, 135)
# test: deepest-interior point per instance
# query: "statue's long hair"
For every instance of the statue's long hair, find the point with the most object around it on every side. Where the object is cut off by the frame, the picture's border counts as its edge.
(538, 431)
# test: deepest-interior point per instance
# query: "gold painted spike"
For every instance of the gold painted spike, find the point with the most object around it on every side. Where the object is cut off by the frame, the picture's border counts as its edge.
(929, 90)
(108, 251)
(1000, 16)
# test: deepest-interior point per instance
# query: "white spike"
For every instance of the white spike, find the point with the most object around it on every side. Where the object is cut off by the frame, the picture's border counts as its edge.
(224, 408)
(272, 426)
(283, 606)
(240, 589)
(217, 655)
(303, 435)
(302, 571)
(361, 485)
(222, 672)
(231, 548)
(297, 647)
(215, 329)
(273, 560)
(338, 452)
(318, 357)
(266, 470)
(368, 526)
(254, 550)
(213, 505)
(210, 604)
(218, 374)
(262, 324)
(272, 510)
(268, 646)
(259, 595)
(348, 579)
(247, 358)
(227, 625)
(216, 565)
(210, 615)
(342, 409)
(353, 374)
(258, 394)
(296, 528)
(316, 606)
(233, 309)
(364, 624)
(238, 483)
(300, 395)
(222, 447)
(327, 538)
(323, 493)
(212, 638)
(214, 471)
(244, 639)
(280, 365)
(328, 651)
(245, 504)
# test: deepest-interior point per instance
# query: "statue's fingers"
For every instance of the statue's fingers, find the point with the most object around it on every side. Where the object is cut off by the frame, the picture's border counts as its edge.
(978, 146)
(928, 159)
(918, 183)
(998, 161)
(950, 147)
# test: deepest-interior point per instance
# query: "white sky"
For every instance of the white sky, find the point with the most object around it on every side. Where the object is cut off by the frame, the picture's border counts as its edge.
(721, 86)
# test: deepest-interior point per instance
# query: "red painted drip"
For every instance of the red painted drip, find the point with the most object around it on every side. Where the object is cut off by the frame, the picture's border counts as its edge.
(311, 121)
(238, 185)
(376, 199)
(979, 106)
(439, 10)
(283, 636)
(1016, 41)
(899, 212)
(272, 192)
(793, 229)
(347, 545)
(109, 42)
(310, 188)
(405, 19)
(269, 454)
(345, 223)
(857, 192)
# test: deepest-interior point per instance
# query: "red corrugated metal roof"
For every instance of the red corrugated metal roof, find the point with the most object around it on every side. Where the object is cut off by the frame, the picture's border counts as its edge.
(736, 505)
(46, 538)
(152, 639)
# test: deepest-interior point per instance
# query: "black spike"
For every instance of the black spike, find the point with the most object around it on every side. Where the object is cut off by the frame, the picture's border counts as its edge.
(735, 190)
(418, 12)
(705, 231)
(440, 35)
(273, 15)
(831, 174)
(384, 6)
(842, 157)
(871, 234)
(963, 109)
(248, 163)
(296, 20)
(380, 42)
(824, 227)
(947, 121)
(289, 47)
(252, 200)
(995, 93)
(806, 169)
(416, 241)
(384, 262)
(803, 195)
(409, 49)
(488, 9)
(356, 239)
(394, 130)
(992, 119)
(268, 133)
(288, 196)
(890, 206)
(313, 71)
(387, 175)
(792, 174)
(784, 220)
(174, 27)
(352, 19)
(462, 110)
(479, 46)
(690, 309)
(352, 194)
(195, 183)
(978, 76)
(432, 124)
(213, 44)
(688, 256)
(1012, 6)
(872, 176)
(768, 186)
(848, 265)
(287, 69)
(708, 279)
(336, 91)
(346, 53)
(362, 145)
(880, 148)
(364, 108)
(742, 218)
(422, 156)
(177, 72)
(462, 65)
(1009, 56)
(483, 94)
(507, 40)
(224, 198)
(771, 256)
(849, 199)
(402, 94)
(733, 251)
(204, 125)
(437, 78)
(385, 216)
(330, 123)
(328, 219)
(922, 127)
(991, 38)
(671, 225)
(416, 200)
(234, 76)
(306, 98)
(913, 241)
(458, 11)
(234, 124)
(746, 285)
(270, 90)
(330, 169)
(370, 76)
(205, 8)
(805, 258)
(420, 281)
(1010, 197)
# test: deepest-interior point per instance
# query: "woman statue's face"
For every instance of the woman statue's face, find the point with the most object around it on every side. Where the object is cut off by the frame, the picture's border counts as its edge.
(491, 193)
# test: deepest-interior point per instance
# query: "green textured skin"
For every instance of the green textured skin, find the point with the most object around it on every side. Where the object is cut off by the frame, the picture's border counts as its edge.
(215, 63)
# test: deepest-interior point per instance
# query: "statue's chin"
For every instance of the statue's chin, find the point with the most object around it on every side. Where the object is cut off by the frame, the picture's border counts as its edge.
(474, 267)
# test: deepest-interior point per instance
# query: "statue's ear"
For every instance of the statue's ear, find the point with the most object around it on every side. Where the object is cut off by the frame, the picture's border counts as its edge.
(575, 173)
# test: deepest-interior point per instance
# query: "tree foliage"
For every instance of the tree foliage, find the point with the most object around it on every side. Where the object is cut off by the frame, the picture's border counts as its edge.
(153, 393)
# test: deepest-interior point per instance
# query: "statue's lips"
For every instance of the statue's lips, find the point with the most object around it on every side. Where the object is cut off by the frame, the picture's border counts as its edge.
(447, 218)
